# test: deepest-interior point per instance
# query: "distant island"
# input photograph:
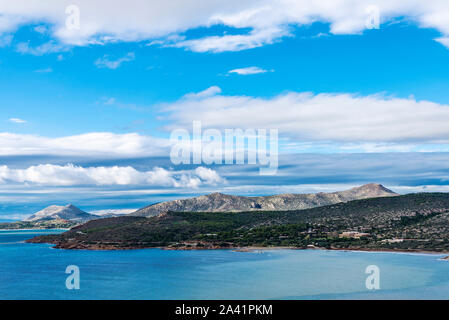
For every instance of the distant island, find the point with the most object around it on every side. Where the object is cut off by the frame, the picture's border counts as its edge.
(412, 222)
(54, 217)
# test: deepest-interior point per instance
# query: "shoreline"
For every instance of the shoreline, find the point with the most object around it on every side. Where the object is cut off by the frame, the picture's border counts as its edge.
(106, 247)
(367, 250)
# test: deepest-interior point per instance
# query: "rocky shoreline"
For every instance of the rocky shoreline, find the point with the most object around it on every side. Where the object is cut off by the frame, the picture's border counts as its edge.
(205, 246)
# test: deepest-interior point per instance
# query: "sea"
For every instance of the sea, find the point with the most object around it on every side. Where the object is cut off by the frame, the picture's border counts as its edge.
(38, 271)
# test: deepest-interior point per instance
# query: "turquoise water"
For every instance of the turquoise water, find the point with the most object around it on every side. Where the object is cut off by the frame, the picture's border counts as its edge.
(36, 271)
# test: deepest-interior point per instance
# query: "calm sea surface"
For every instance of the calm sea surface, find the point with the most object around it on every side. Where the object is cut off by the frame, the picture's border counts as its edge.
(36, 271)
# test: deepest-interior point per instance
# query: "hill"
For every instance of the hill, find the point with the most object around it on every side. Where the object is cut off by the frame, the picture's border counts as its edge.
(414, 222)
(218, 202)
(55, 217)
(68, 212)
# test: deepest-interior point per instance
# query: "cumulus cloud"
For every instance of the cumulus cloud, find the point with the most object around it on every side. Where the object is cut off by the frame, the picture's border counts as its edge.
(248, 71)
(71, 175)
(103, 144)
(321, 117)
(107, 62)
(267, 21)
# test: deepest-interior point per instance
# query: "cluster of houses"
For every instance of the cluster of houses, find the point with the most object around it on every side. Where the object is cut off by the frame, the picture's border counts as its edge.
(353, 234)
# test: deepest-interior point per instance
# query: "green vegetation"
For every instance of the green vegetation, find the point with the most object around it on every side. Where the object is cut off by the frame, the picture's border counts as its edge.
(51, 224)
(410, 222)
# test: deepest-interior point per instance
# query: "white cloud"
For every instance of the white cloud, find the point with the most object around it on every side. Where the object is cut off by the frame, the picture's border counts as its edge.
(106, 62)
(248, 71)
(70, 175)
(209, 175)
(306, 123)
(17, 120)
(306, 117)
(254, 39)
(209, 92)
(267, 20)
(102, 144)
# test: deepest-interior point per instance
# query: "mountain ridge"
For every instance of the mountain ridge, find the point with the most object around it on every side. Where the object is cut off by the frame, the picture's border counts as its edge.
(219, 202)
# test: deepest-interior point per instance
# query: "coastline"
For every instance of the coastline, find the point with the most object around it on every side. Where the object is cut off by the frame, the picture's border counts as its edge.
(109, 247)
(367, 250)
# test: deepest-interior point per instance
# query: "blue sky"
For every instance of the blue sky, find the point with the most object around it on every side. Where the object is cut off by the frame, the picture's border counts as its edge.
(398, 59)
(74, 104)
